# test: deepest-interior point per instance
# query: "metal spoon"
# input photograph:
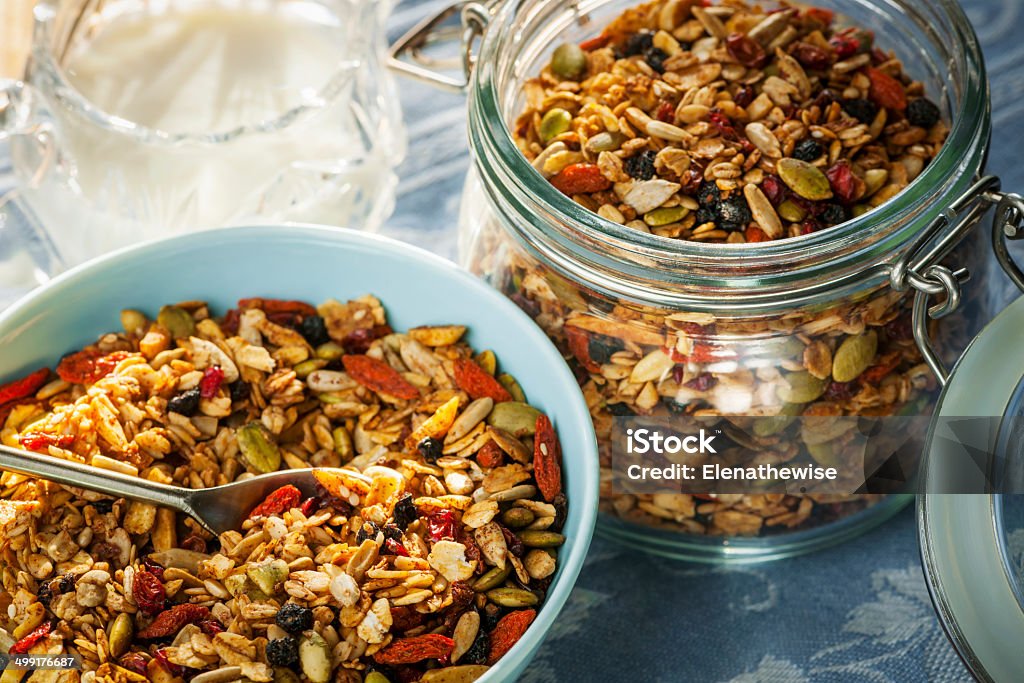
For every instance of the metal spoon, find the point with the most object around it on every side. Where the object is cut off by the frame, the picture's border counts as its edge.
(217, 509)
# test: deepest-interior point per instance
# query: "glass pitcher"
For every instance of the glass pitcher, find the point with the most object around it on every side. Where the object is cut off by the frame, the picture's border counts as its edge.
(139, 119)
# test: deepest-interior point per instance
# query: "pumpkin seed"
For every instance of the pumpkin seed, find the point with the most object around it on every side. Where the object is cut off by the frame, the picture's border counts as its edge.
(378, 677)
(605, 142)
(518, 419)
(315, 658)
(854, 356)
(342, 443)
(133, 321)
(541, 539)
(466, 673)
(306, 367)
(492, 579)
(804, 179)
(177, 321)
(517, 518)
(791, 211)
(569, 61)
(512, 597)
(665, 216)
(330, 351)
(120, 636)
(488, 361)
(803, 387)
(512, 387)
(823, 454)
(819, 430)
(554, 123)
(257, 449)
(283, 675)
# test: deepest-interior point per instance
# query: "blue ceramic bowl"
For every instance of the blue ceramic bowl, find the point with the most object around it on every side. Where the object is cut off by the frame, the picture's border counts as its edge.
(314, 264)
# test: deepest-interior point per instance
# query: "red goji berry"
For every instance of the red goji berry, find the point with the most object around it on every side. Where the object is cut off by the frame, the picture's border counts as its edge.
(284, 498)
(270, 306)
(475, 381)
(149, 593)
(582, 178)
(416, 649)
(38, 441)
(441, 525)
(509, 629)
(169, 622)
(34, 637)
(886, 91)
(490, 455)
(547, 459)
(24, 387)
(579, 346)
(89, 365)
(756, 234)
(212, 379)
(378, 376)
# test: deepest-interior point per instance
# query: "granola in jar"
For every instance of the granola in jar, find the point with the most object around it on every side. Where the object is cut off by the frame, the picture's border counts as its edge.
(726, 124)
(425, 553)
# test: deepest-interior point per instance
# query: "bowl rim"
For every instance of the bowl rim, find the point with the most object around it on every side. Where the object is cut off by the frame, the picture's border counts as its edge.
(585, 441)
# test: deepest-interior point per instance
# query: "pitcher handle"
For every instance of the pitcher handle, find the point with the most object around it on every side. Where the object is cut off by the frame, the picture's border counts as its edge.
(473, 20)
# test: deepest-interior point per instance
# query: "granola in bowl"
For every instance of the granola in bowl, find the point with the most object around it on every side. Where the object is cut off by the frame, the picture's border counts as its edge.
(425, 554)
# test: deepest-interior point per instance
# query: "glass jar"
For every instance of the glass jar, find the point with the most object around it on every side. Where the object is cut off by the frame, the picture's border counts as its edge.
(732, 333)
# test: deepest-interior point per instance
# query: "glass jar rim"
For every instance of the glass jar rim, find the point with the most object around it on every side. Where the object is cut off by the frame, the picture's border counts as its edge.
(777, 272)
(45, 13)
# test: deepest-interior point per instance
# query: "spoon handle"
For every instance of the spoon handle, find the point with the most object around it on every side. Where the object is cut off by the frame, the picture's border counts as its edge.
(92, 478)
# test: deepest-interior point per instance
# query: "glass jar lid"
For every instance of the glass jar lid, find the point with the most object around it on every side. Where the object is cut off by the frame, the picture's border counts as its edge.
(971, 516)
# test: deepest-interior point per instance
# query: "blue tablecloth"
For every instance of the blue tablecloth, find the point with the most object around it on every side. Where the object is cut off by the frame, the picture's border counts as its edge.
(857, 612)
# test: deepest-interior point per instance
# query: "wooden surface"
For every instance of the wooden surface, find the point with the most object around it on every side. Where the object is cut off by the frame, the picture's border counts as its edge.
(15, 36)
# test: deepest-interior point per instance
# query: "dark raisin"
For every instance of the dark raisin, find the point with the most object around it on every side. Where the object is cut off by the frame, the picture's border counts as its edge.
(641, 165)
(832, 214)
(45, 595)
(283, 652)
(104, 506)
(744, 96)
(392, 532)
(923, 112)
(620, 410)
(655, 58)
(638, 43)
(808, 150)
(601, 348)
(239, 391)
(294, 618)
(67, 583)
(367, 532)
(733, 213)
(186, 403)
(561, 504)
(705, 215)
(431, 449)
(405, 512)
(703, 382)
(489, 617)
(825, 98)
(513, 542)
(314, 329)
(862, 110)
(709, 195)
(478, 651)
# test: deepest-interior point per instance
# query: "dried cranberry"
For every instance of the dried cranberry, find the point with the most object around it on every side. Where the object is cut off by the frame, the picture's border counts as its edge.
(133, 661)
(196, 544)
(845, 185)
(811, 56)
(691, 181)
(514, 543)
(526, 305)
(809, 226)
(845, 46)
(703, 382)
(825, 98)
(153, 567)
(212, 379)
(900, 328)
(161, 657)
(211, 627)
(724, 124)
(310, 506)
(746, 50)
(149, 592)
(441, 525)
(393, 547)
(773, 189)
(840, 391)
(678, 372)
(665, 112)
(744, 96)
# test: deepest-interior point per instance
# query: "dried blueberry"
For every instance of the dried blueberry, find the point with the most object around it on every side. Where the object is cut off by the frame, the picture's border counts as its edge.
(314, 329)
(405, 511)
(641, 165)
(283, 652)
(367, 532)
(294, 618)
(862, 110)
(103, 506)
(186, 403)
(832, 214)
(808, 150)
(478, 651)
(655, 58)
(638, 43)
(620, 410)
(733, 213)
(239, 391)
(923, 112)
(431, 449)
(709, 195)
(601, 348)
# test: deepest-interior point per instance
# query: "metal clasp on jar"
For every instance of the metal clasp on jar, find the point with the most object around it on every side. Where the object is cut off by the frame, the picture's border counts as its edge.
(921, 269)
(473, 20)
